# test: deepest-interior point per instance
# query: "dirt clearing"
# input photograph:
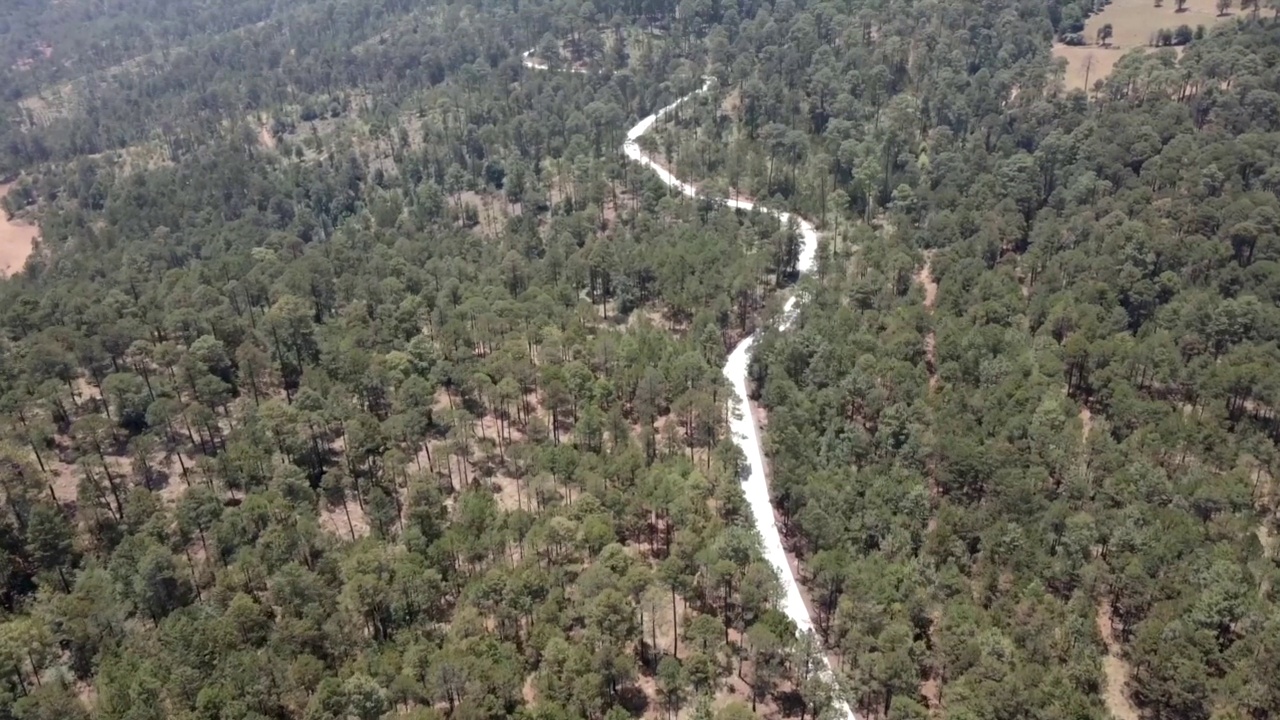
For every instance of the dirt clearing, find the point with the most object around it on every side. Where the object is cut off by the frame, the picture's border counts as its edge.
(1134, 23)
(17, 240)
(925, 277)
(1115, 669)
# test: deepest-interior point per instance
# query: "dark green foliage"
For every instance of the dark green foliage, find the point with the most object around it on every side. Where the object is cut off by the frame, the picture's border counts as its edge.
(985, 519)
(362, 375)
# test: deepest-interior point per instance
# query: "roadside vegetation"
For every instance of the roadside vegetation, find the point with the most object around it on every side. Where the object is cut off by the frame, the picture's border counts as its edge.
(356, 374)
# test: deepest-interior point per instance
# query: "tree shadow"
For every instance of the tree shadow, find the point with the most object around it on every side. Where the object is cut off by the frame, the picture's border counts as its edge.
(634, 700)
(790, 703)
(156, 479)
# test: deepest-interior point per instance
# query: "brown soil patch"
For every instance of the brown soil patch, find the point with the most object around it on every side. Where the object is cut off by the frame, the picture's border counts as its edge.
(924, 276)
(492, 210)
(87, 694)
(931, 689)
(1087, 64)
(85, 390)
(334, 521)
(17, 240)
(1115, 670)
(176, 485)
(64, 480)
(732, 103)
(528, 692)
(509, 494)
(1086, 422)
(1135, 23)
(1267, 539)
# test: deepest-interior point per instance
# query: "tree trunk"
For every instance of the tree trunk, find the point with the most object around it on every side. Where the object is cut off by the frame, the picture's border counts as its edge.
(347, 511)
(675, 625)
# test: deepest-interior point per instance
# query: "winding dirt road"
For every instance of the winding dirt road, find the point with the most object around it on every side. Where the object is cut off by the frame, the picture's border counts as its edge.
(746, 434)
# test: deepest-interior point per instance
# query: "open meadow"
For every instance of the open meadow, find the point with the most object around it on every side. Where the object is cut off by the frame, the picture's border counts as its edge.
(1135, 24)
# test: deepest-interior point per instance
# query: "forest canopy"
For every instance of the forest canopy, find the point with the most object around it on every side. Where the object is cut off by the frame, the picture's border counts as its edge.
(357, 374)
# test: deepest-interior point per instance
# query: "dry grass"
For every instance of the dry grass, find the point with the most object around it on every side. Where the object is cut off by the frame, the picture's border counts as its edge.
(1134, 22)
(1087, 64)
(17, 240)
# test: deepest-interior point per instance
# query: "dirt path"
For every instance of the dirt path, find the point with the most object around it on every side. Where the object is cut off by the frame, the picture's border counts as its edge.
(17, 240)
(1115, 670)
(931, 686)
(924, 276)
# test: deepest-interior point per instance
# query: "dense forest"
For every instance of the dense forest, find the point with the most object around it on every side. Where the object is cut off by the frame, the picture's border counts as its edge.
(357, 374)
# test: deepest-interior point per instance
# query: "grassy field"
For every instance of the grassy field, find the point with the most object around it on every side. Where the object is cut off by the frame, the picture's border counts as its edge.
(1135, 23)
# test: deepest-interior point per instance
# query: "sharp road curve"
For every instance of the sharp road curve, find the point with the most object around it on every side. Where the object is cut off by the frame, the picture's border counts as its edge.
(741, 420)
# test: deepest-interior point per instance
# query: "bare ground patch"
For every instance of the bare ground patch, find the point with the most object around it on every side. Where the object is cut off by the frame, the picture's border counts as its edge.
(335, 520)
(732, 103)
(1086, 422)
(1115, 670)
(492, 211)
(924, 276)
(1087, 64)
(17, 240)
(509, 493)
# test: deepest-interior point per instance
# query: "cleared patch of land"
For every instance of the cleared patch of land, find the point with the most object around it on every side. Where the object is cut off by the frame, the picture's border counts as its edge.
(41, 51)
(17, 240)
(1134, 23)
(265, 138)
(1115, 669)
